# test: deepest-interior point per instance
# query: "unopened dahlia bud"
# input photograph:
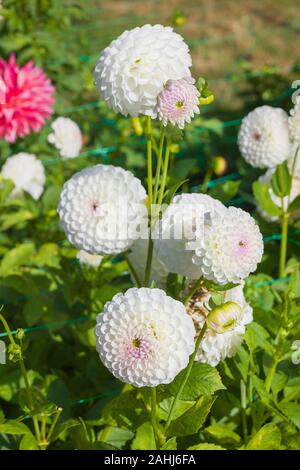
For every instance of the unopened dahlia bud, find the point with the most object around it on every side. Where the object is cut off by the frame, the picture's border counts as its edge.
(133, 69)
(144, 337)
(178, 102)
(219, 165)
(224, 317)
(216, 347)
(101, 209)
(264, 137)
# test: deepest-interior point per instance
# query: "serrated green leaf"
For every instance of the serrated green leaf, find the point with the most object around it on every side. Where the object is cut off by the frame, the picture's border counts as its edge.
(144, 438)
(170, 444)
(267, 438)
(14, 427)
(223, 435)
(203, 380)
(28, 442)
(294, 205)
(257, 336)
(16, 257)
(292, 411)
(192, 420)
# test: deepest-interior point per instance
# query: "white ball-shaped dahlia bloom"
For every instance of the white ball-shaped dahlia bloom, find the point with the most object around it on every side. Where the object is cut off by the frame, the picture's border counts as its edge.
(138, 258)
(294, 123)
(133, 69)
(263, 137)
(144, 337)
(295, 191)
(88, 259)
(101, 209)
(66, 137)
(231, 248)
(216, 347)
(185, 220)
(26, 172)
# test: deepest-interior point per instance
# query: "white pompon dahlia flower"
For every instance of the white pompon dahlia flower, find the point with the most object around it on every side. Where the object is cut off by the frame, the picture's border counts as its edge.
(178, 102)
(88, 259)
(185, 220)
(66, 137)
(264, 137)
(133, 69)
(26, 172)
(231, 248)
(144, 337)
(101, 209)
(294, 124)
(295, 191)
(215, 347)
(138, 258)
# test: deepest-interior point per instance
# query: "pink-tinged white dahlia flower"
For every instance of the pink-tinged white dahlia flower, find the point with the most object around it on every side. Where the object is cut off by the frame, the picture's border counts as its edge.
(133, 69)
(144, 337)
(27, 100)
(185, 220)
(214, 346)
(295, 191)
(101, 208)
(138, 258)
(87, 259)
(26, 172)
(264, 137)
(178, 102)
(66, 137)
(231, 249)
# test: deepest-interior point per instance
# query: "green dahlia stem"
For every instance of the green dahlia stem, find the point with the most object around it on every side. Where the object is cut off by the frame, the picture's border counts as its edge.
(133, 272)
(159, 439)
(159, 163)
(187, 374)
(25, 377)
(149, 161)
(195, 287)
(54, 423)
(270, 374)
(149, 261)
(283, 243)
(165, 173)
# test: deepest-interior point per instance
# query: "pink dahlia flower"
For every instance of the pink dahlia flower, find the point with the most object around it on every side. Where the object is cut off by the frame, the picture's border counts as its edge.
(26, 99)
(178, 102)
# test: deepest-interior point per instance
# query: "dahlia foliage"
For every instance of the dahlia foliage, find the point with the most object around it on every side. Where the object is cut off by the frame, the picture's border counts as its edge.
(26, 99)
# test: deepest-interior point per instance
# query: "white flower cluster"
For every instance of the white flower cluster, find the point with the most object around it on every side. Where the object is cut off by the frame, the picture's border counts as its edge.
(215, 347)
(26, 172)
(264, 137)
(66, 137)
(134, 68)
(221, 244)
(144, 337)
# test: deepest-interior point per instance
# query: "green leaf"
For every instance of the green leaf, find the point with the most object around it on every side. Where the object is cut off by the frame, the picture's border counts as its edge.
(47, 255)
(281, 180)
(223, 435)
(192, 420)
(205, 446)
(14, 427)
(257, 337)
(116, 436)
(267, 438)
(28, 442)
(226, 191)
(172, 191)
(294, 205)
(63, 427)
(144, 438)
(294, 285)
(184, 166)
(170, 444)
(9, 220)
(16, 257)
(203, 380)
(292, 411)
(262, 196)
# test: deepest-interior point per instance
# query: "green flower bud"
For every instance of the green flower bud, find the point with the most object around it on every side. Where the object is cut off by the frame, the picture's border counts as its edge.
(20, 334)
(219, 165)
(224, 318)
(14, 352)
